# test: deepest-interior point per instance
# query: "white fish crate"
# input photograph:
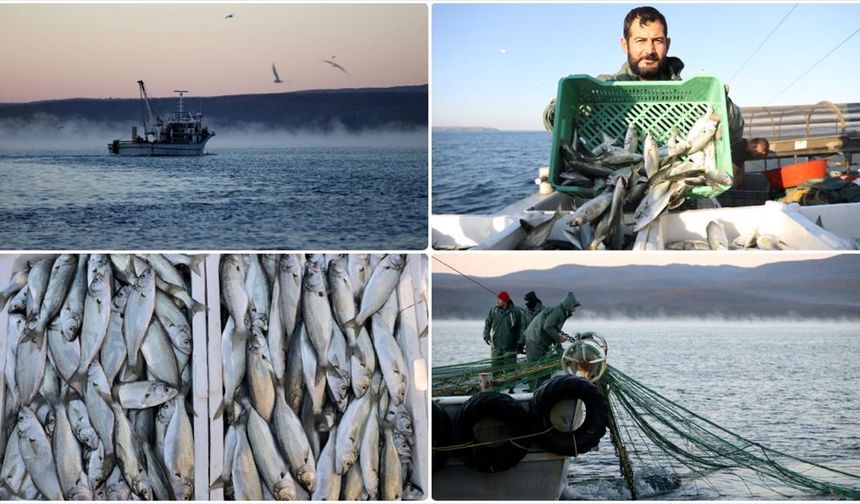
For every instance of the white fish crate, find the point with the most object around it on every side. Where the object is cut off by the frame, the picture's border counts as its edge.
(782, 221)
(10, 263)
(411, 335)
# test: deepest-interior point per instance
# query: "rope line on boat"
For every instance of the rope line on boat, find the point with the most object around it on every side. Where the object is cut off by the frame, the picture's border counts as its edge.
(488, 443)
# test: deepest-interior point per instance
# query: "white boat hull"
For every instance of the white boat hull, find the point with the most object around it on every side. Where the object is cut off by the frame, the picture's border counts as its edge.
(540, 475)
(157, 149)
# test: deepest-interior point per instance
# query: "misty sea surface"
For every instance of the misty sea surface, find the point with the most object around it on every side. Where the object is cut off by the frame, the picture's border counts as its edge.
(789, 385)
(358, 197)
(482, 172)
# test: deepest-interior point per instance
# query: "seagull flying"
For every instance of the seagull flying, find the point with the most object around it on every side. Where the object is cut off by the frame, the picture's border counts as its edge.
(277, 79)
(228, 16)
(332, 63)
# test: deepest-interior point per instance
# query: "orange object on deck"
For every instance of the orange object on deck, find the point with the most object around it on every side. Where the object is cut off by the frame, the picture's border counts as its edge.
(796, 174)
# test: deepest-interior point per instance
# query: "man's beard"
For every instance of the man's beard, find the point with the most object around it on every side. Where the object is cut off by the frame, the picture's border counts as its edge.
(645, 73)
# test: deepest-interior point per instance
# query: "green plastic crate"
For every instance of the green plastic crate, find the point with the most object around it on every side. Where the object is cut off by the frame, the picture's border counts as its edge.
(592, 106)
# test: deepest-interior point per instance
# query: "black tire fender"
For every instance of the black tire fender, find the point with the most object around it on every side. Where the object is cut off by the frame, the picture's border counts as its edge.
(443, 435)
(500, 408)
(588, 434)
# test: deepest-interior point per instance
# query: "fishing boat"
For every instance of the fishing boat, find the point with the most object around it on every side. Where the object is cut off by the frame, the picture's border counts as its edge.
(523, 445)
(505, 453)
(824, 135)
(183, 134)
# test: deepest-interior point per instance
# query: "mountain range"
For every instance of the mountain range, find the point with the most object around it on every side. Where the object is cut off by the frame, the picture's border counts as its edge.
(820, 288)
(403, 107)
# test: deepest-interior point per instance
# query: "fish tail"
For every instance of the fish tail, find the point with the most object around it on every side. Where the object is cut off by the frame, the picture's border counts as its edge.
(197, 307)
(196, 261)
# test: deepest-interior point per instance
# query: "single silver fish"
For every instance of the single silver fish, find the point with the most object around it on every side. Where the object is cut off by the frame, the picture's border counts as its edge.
(35, 450)
(369, 452)
(245, 476)
(179, 452)
(62, 274)
(293, 383)
(358, 266)
(337, 373)
(592, 209)
(80, 422)
(352, 485)
(97, 399)
(651, 155)
(127, 454)
(138, 314)
(293, 442)
(342, 297)
(174, 322)
(273, 469)
(328, 479)
(30, 359)
(97, 307)
(362, 364)
(259, 297)
(37, 284)
(382, 283)
(717, 236)
(233, 292)
(113, 351)
(276, 337)
(158, 355)
(233, 362)
(144, 394)
(65, 354)
(391, 363)
(391, 477)
(316, 311)
(290, 282)
(349, 434)
(260, 376)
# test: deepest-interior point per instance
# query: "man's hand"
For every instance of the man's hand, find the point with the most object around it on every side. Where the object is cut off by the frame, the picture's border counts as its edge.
(487, 340)
(521, 348)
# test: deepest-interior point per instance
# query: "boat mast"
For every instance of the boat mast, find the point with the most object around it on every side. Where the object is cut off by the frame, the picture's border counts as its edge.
(148, 118)
(181, 111)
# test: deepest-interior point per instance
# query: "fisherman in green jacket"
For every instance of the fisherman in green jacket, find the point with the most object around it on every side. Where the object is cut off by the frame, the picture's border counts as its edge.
(503, 330)
(646, 41)
(532, 306)
(544, 332)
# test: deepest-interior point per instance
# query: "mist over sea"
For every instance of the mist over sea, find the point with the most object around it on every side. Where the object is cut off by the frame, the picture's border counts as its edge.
(252, 191)
(790, 385)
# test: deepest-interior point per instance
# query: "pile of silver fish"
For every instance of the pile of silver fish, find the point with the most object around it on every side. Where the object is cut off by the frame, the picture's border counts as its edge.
(648, 183)
(97, 374)
(318, 395)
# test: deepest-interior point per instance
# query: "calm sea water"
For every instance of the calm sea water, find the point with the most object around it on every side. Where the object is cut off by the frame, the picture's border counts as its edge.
(241, 198)
(481, 172)
(792, 386)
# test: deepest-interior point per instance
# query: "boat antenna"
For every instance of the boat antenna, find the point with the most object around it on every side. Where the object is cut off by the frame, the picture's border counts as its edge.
(491, 291)
(181, 110)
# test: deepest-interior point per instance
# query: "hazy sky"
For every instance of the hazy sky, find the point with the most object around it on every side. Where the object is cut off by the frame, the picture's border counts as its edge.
(54, 51)
(498, 65)
(491, 264)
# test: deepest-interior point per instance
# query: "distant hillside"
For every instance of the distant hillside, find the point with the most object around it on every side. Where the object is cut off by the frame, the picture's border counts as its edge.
(354, 109)
(822, 288)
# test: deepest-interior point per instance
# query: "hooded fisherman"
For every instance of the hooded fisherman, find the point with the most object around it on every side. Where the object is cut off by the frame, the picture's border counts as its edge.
(533, 306)
(543, 334)
(503, 330)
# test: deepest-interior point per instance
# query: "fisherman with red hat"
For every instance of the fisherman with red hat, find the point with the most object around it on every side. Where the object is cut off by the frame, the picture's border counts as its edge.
(503, 330)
